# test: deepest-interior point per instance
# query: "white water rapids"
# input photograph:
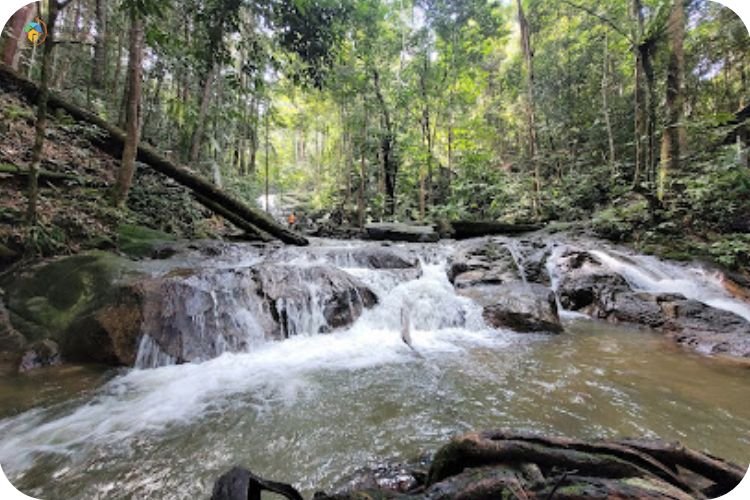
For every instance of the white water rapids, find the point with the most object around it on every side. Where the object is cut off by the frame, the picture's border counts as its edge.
(313, 408)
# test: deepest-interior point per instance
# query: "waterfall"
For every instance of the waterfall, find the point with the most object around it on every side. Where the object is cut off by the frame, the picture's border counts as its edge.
(554, 273)
(512, 247)
(150, 354)
(649, 274)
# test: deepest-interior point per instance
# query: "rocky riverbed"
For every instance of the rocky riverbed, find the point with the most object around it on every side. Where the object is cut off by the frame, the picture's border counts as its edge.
(291, 361)
(194, 301)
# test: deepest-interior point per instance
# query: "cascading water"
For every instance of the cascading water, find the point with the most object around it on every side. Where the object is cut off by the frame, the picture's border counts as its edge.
(650, 274)
(512, 247)
(313, 408)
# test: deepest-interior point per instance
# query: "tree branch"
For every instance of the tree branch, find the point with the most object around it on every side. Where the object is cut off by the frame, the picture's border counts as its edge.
(605, 19)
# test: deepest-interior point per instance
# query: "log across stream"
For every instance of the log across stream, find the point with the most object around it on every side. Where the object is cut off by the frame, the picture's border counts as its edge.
(313, 409)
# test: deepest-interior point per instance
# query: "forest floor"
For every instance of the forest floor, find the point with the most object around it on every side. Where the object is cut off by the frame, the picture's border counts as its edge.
(75, 209)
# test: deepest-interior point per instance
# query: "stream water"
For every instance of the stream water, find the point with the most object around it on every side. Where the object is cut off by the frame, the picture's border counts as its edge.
(313, 409)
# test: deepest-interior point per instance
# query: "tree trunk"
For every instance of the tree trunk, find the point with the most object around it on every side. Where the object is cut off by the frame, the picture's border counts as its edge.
(425, 178)
(530, 111)
(16, 35)
(673, 140)
(387, 149)
(99, 67)
(132, 128)
(268, 149)
(363, 172)
(197, 140)
(605, 107)
(41, 116)
(118, 67)
(254, 136)
(112, 140)
(637, 13)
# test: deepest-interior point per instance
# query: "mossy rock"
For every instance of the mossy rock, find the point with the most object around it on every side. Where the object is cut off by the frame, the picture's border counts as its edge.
(44, 301)
(140, 242)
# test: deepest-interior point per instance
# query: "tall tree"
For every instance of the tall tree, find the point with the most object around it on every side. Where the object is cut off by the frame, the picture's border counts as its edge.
(528, 56)
(98, 69)
(132, 114)
(41, 111)
(673, 140)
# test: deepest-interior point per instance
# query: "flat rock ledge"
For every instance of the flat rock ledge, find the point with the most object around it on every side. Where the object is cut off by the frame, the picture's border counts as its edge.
(506, 464)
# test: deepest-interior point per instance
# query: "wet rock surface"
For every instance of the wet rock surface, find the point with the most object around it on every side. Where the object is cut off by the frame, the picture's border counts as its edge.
(590, 287)
(102, 308)
(506, 464)
(520, 307)
(703, 328)
(40, 354)
(195, 300)
(295, 295)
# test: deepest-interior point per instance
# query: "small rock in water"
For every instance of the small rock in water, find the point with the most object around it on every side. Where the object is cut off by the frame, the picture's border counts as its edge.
(40, 354)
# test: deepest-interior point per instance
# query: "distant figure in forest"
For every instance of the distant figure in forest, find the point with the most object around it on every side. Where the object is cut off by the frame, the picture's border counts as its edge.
(291, 220)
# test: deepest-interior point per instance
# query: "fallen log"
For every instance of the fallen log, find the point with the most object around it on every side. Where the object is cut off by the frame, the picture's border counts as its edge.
(251, 230)
(609, 465)
(113, 139)
(394, 231)
(463, 229)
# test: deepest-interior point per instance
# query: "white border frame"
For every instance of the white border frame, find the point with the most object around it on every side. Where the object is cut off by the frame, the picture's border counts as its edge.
(9, 7)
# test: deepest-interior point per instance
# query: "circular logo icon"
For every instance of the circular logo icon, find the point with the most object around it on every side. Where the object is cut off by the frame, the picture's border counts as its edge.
(36, 32)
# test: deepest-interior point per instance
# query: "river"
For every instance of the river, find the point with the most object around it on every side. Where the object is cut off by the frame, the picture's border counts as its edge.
(314, 409)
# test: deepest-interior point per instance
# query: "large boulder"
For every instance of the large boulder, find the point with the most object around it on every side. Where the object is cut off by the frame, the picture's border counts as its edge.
(589, 287)
(608, 296)
(519, 307)
(100, 308)
(60, 300)
(495, 261)
(12, 342)
(704, 329)
(310, 300)
(482, 262)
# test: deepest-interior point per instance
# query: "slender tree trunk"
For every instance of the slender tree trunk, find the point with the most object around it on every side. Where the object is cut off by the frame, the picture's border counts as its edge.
(197, 140)
(530, 111)
(673, 140)
(363, 171)
(16, 36)
(132, 129)
(99, 68)
(425, 184)
(118, 67)
(254, 135)
(639, 123)
(268, 149)
(387, 149)
(41, 116)
(605, 107)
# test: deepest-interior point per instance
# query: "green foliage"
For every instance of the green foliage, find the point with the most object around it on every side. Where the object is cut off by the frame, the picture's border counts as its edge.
(717, 195)
(731, 250)
(43, 240)
(621, 220)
